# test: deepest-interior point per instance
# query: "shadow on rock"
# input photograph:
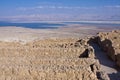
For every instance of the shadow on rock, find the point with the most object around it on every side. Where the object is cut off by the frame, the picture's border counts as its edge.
(103, 51)
(114, 76)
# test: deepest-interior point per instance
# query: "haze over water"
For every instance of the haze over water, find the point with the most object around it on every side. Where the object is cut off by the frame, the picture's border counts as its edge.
(59, 10)
(52, 14)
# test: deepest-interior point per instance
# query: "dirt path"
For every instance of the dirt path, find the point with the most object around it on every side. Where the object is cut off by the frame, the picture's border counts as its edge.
(107, 65)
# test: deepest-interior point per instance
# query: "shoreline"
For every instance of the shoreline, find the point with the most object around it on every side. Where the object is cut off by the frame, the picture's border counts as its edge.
(20, 34)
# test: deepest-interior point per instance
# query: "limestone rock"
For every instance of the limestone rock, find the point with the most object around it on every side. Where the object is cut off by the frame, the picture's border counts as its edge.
(91, 53)
(48, 60)
(102, 76)
(110, 43)
(88, 53)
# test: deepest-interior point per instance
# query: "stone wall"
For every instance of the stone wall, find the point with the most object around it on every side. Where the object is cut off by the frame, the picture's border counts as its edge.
(48, 60)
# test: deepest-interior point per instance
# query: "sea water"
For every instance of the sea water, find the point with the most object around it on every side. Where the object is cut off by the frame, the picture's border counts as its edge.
(54, 25)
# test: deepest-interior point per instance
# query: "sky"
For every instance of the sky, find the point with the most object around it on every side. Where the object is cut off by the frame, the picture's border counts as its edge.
(59, 10)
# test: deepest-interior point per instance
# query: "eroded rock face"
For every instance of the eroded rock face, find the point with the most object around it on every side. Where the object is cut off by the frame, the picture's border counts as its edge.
(110, 42)
(48, 60)
(102, 75)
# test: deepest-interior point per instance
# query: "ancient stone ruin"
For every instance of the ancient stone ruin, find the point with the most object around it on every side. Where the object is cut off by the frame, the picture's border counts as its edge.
(65, 59)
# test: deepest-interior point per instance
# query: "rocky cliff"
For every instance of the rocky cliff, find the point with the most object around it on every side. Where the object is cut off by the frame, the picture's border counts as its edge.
(110, 43)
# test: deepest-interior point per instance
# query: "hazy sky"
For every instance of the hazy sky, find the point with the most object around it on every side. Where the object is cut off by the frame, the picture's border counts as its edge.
(60, 10)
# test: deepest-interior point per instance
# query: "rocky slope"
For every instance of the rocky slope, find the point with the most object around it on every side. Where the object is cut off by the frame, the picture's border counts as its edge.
(50, 59)
(110, 43)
